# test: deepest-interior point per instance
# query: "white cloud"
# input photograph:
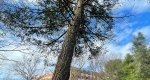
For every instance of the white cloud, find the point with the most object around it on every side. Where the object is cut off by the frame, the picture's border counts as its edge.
(123, 30)
(135, 6)
(121, 51)
(126, 49)
(117, 51)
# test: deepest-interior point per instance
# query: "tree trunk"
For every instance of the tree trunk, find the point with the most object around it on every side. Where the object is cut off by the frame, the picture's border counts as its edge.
(62, 69)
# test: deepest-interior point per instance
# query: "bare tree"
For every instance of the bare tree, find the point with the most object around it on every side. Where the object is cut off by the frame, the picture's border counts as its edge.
(28, 67)
(98, 64)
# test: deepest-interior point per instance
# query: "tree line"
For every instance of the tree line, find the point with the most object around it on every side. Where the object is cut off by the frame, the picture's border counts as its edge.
(135, 66)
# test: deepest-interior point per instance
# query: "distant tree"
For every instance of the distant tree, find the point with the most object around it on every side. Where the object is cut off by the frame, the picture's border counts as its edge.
(28, 68)
(81, 21)
(113, 69)
(141, 55)
(139, 45)
(129, 68)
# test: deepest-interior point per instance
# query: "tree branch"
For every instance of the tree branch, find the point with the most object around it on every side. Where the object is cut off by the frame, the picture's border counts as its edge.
(56, 39)
(110, 16)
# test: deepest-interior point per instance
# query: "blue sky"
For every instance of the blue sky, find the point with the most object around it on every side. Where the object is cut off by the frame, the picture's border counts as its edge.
(131, 26)
(139, 21)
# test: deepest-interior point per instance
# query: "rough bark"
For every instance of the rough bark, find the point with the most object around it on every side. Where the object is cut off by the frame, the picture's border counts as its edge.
(62, 69)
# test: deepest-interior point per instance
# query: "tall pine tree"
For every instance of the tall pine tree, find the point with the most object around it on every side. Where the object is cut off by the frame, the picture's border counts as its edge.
(142, 59)
(74, 24)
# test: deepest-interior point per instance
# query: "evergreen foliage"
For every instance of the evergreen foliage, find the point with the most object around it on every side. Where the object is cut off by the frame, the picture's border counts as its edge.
(135, 66)
(82, 22)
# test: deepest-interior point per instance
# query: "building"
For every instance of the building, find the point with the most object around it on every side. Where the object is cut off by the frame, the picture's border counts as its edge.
(47, 76)
(75, 74)
(78, 74)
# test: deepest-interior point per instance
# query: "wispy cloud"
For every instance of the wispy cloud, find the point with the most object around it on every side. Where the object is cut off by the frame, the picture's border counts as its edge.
(134, 6)
(122, 50)
(118, 51)
(123, 30)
